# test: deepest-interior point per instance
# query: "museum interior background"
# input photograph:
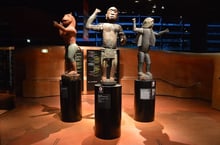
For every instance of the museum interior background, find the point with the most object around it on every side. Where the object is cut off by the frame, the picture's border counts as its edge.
(185, 61)
(27, 31)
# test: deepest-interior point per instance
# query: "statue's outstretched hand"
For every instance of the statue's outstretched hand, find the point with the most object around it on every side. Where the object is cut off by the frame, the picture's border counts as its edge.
(55, 23)
(97, 10)
(167, 30)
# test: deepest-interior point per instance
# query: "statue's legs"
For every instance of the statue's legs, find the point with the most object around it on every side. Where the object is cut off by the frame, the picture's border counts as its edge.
(148, 65)
(104, 65)
(144, 57)
(140, 62)
(109, 67)
(73, 71)
(71, 66)
(114, 66)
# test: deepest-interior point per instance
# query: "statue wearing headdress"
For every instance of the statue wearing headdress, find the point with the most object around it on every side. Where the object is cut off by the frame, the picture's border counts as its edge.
(68, 32)
(145, 40)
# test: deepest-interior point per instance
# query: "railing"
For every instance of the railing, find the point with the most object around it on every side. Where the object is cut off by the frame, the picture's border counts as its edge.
(177, 39)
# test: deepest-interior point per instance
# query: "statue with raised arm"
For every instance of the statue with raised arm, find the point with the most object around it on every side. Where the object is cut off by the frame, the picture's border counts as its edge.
(110, 33)
(68, 32)
(146, 39)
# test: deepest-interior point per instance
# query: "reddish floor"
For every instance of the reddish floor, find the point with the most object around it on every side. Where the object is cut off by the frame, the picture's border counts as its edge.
(36, 121)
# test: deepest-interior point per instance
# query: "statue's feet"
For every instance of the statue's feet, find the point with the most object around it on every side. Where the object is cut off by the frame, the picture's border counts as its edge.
(103, 78)
(108, 81)
(149, 75)
(72, 73)
(143, 76)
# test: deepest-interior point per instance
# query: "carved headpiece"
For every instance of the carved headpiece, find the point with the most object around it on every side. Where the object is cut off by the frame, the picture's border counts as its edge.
(148, 22)
(68, 19)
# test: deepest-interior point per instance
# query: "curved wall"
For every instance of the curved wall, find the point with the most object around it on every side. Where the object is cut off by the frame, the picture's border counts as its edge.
(188, 75)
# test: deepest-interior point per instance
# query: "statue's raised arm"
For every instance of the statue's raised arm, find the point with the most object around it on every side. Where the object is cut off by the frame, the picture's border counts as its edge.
(89, 23)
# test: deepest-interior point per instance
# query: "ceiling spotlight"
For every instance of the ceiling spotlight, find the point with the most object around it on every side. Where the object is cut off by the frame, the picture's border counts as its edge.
(28, 40)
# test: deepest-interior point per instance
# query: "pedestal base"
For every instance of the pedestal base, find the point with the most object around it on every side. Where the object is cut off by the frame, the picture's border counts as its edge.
(70, 98)
(107, 111)
(144, 101)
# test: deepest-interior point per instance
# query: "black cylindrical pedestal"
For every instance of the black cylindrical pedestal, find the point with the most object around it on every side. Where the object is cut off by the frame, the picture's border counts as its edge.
(70, 99)
(107, 111)
(144, 101)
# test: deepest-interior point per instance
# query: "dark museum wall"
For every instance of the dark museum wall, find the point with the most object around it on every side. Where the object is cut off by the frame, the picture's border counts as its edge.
(33, 19)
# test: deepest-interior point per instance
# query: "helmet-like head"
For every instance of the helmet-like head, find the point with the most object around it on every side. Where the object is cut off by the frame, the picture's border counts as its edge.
(68, 19)
(148, 22)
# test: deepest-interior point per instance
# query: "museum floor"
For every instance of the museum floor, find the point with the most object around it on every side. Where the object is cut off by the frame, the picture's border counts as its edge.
(178, 121)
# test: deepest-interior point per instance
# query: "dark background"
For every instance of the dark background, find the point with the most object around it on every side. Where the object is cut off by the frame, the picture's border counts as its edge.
(23, 19)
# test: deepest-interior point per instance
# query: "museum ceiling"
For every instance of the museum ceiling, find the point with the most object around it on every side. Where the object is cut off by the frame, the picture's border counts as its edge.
(146, 7)
(33, 18)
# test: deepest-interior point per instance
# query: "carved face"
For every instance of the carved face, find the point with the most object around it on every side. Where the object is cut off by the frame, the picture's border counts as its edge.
(68, 19)
(112, 14)
(148, 23)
